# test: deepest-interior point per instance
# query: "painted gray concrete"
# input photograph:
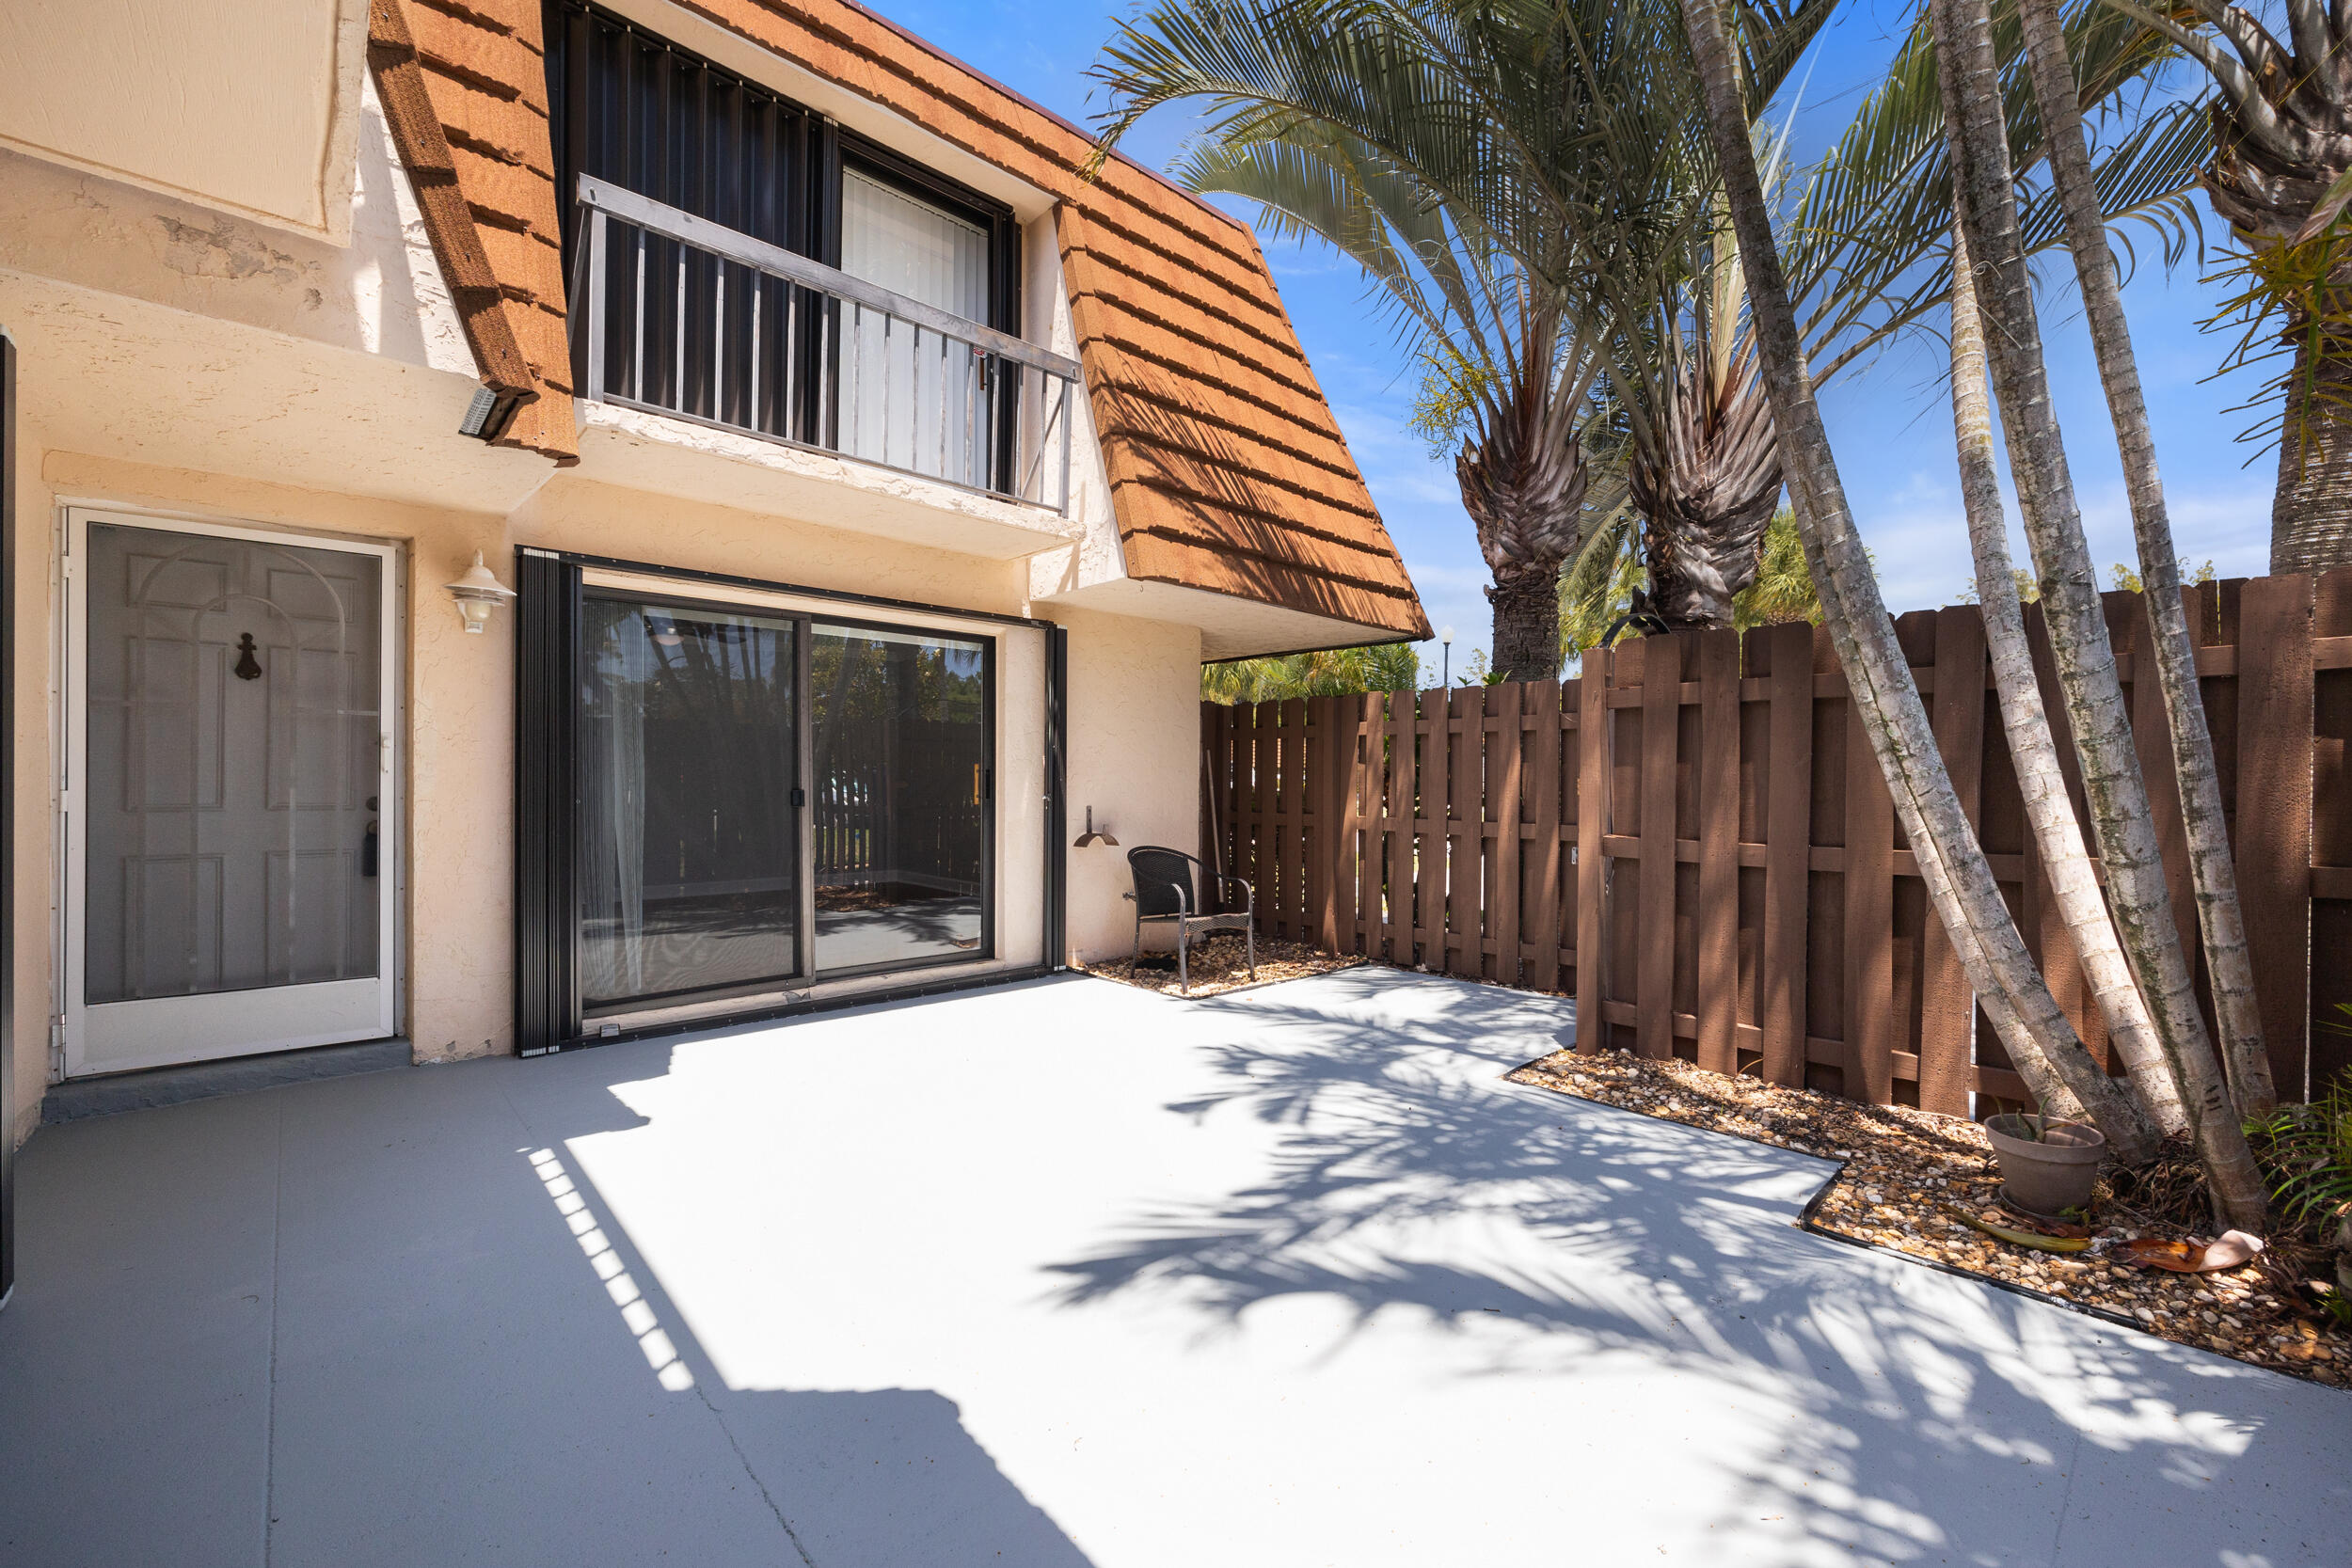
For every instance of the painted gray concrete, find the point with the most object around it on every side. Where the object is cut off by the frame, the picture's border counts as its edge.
(114, 1093)
(1057, 1275)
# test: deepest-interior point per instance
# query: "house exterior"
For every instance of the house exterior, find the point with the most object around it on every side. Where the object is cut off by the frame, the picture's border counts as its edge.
(858, 479)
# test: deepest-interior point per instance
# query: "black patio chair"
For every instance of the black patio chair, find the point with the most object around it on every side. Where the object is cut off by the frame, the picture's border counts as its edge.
(1166, 891)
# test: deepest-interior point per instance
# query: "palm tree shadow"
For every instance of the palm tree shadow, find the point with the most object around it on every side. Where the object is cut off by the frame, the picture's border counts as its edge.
(1407, 1178)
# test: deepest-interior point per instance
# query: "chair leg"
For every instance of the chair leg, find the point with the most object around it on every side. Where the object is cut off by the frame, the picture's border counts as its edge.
(1137, 957)
(1249, 941)
(1184, 975)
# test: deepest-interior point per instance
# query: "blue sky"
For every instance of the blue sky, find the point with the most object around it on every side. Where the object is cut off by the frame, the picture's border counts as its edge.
(1888, 422)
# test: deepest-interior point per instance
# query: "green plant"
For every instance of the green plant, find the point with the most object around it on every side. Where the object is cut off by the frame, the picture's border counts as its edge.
(1332, 673)
(2306, 1155)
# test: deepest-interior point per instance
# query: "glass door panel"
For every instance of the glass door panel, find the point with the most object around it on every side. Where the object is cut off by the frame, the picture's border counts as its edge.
(688, 842)
(900, 779)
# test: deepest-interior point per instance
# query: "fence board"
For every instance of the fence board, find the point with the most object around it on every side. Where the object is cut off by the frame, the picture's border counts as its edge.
(1396, 815)
(1505, 803)
(1541, 894)
(1870, 921)
(1461, 930)
(1654, 967)
(1787, 857)
(1429, 823)
(1592, 823)
(1718, 922)
(1946, 1002)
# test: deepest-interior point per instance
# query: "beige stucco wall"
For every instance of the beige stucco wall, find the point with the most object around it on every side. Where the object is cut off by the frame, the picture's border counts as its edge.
(34, 803)
(1133, 749)
(1135, 755)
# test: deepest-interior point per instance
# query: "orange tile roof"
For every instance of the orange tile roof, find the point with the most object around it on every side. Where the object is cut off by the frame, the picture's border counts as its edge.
(1228, 473)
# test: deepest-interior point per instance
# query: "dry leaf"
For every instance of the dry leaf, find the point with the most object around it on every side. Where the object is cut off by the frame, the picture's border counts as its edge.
(2227, 1251)
(2019, 1238)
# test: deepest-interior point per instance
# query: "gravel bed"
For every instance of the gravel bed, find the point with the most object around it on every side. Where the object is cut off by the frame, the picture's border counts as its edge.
(1903, 1167)
(1215, 963)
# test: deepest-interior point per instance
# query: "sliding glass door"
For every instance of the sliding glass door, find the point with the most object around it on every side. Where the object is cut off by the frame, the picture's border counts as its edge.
(901, 771)
(763, 799)
(689, 873)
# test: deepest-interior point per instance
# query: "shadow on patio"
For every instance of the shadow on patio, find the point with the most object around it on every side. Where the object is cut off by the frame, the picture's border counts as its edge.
(1906, 1414)
(391, 1317)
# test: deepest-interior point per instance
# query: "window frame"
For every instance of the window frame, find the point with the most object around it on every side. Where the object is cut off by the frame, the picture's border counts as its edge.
(549, 1011)
(812, 214)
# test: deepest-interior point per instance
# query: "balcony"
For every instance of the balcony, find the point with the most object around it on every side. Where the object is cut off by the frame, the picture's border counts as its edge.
(687, 318)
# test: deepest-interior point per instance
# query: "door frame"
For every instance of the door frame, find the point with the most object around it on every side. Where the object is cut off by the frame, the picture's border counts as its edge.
(72, 814)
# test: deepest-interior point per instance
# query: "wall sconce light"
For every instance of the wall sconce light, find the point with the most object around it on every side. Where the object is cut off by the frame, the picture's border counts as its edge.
(477, 593)
(1090, 836)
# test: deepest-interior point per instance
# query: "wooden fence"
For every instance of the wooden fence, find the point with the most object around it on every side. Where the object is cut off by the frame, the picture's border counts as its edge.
(1696, 842)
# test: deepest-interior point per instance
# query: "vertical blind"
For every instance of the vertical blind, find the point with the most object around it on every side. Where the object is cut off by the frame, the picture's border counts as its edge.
(913, 400)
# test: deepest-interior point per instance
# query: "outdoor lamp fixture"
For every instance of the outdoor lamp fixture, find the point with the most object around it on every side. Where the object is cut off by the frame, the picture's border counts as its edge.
(1445, 666)
(1090, 836)
(477, 593)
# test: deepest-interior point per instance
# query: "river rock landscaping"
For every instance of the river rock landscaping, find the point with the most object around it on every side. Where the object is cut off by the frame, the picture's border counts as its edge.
(1217, 964)
(1905, 1171)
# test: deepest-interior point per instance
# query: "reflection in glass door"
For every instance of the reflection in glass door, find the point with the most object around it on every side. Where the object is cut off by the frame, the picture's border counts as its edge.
(900, 774)
(689, 839)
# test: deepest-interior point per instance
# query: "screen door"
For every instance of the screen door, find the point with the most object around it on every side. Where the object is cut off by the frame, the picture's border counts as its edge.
(226, 806)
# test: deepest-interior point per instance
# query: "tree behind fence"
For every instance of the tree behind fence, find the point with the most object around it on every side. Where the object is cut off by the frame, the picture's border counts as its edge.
(1721, 877)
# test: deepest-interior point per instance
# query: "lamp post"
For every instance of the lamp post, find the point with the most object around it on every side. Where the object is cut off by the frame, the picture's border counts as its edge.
(1445, 664)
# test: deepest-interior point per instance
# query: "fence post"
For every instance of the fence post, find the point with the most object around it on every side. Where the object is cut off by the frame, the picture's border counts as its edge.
(2275, 720)
(1592, 822)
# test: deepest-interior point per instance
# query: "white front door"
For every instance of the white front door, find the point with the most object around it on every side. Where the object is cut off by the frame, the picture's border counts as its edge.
(230, 792)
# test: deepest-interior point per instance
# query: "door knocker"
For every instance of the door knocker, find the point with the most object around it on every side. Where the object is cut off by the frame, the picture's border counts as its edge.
(249, 668)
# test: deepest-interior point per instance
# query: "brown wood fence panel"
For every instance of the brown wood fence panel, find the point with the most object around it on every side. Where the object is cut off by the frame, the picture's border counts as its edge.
(1693, 839)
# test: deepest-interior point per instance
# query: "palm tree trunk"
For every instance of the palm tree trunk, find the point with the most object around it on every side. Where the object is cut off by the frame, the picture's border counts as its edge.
(1527, 622)
(2310, 512)
(1960, 883)
(2210, 868)
(2073, 883)
(2112, 784)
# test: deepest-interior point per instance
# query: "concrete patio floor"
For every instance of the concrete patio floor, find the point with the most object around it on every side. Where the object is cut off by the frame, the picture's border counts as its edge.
(1057, 1275)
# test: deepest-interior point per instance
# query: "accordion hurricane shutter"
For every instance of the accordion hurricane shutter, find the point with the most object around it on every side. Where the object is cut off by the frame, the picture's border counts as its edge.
(1227, 471)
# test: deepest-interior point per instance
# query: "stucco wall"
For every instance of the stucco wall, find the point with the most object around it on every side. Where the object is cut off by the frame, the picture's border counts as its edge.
(1135, 755)
(35, 802)
(1133, 751)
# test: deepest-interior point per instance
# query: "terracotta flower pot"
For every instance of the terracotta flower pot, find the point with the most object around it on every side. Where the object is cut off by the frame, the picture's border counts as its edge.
(2050, 1174)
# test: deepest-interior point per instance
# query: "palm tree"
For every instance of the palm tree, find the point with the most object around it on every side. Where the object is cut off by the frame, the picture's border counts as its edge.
(2122, 822)
(2210, 868)
(2041, 780)
(1521, 181)
(2283, 134)
(1867, 246)
(1960, 884)
(1705, 474)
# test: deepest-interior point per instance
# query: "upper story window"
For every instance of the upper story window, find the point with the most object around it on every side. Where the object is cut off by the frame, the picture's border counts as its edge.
(898, 346)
